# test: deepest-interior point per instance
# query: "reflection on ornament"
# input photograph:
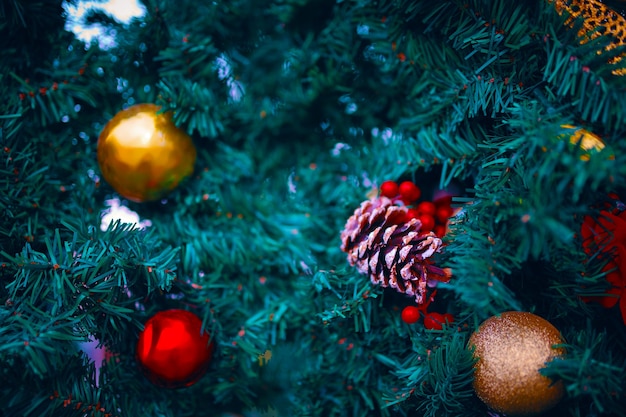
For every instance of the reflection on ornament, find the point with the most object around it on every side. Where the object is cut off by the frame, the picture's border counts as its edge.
(143, 155)
(510, 349)
(599, 20)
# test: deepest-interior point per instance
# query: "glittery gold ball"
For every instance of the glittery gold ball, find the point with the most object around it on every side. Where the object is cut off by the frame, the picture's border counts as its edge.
(598, 20)
(143, 155)
(510, 349)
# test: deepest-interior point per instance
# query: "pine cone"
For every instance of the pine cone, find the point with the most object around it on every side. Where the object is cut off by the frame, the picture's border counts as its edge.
(389, 249)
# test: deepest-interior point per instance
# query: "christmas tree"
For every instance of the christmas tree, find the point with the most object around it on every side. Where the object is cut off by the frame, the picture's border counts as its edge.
(323, 293)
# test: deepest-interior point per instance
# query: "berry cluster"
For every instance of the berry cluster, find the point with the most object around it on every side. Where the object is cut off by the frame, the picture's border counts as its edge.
(43, 91)
(434, 215)
(432, 320)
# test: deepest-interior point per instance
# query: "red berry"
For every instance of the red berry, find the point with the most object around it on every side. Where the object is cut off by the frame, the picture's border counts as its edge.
(443, 200)
(435, 321)
(410, 314)
(440, 230)
(428, 222)
(409, 192)
(389, 189)
(427, 207)
(443, 214)
(412, 213)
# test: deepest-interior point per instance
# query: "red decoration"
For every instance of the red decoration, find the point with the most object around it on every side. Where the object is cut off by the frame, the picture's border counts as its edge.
(410, 314)
(412, 213)
(443, 198)
(607, 234)
(172, 351)
(409, 192)
(435, 321)
(427, 207)
(440, 230)
(389, 189)
(428, 222)
(444, 213)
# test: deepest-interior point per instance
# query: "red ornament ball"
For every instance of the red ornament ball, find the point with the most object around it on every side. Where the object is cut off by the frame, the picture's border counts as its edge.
(171, 350)
(410, 314)
(435, 321)
(409, 192)
(389, 189)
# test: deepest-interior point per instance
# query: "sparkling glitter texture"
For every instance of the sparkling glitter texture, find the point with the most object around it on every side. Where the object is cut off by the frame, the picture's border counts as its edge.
(511, 348)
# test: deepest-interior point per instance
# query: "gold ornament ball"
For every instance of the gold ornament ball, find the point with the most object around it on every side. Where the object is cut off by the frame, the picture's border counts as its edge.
(589, 142)
(510, 349)
(143, 155)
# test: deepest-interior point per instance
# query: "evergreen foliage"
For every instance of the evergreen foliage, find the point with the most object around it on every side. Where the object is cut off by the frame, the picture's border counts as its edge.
(298, 109)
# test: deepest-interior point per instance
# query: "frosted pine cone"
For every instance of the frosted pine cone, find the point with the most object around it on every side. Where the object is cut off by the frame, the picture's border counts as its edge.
(389, 249)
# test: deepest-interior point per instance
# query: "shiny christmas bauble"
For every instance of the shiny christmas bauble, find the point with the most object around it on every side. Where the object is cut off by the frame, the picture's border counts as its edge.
(172, 351)
(590, 143)
(143, 155)
(510, 349)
